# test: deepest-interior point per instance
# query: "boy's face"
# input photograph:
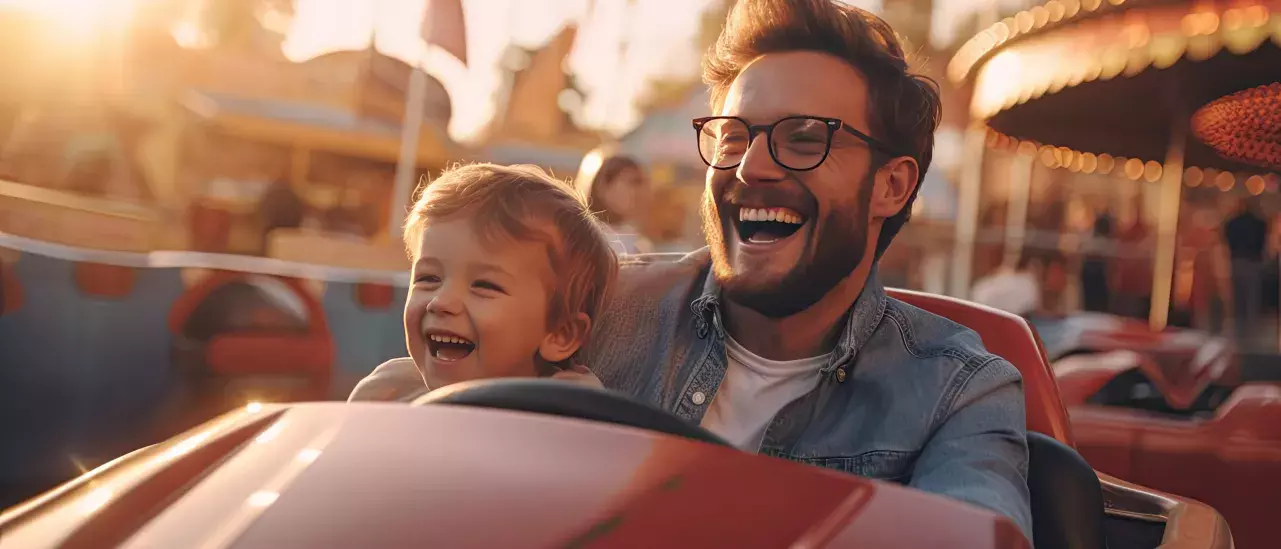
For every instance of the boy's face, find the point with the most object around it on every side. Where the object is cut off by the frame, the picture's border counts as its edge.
(478, 311)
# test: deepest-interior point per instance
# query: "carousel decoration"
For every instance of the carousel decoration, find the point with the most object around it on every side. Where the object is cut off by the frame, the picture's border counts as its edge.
(1111, 86)
(1244, 126)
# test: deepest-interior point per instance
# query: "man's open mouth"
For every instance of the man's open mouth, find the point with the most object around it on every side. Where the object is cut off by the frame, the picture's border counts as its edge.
(767, 225)
(448, 347)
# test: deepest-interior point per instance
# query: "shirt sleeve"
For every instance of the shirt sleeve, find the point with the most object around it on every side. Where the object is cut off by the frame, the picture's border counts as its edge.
(979, 454)
(396, 379)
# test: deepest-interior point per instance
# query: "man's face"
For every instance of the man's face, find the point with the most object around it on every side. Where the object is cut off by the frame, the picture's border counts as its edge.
(779, 268)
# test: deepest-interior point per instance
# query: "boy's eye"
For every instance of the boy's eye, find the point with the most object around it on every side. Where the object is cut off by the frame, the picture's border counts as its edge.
(487, 285)
(427, 279)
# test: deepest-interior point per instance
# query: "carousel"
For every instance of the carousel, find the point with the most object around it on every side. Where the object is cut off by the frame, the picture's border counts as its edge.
(1178, 104)
(1179, 96)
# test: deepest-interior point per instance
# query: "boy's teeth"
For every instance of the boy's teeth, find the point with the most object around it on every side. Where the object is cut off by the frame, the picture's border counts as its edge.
(447, 339)
(780, 215)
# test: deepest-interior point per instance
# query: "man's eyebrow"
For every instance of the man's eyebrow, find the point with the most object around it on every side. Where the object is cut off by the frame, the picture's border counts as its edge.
(775, 117)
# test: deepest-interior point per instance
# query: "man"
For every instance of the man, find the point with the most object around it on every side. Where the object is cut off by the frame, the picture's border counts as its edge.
(1014, 289)
(1095, 293)
(1131, 277)
(1246, 235)
(778, 336)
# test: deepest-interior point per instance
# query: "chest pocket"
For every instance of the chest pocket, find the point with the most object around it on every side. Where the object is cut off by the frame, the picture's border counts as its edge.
(887, 465)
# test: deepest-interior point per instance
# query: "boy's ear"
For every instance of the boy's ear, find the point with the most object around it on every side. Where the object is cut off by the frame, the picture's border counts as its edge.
(566, 339)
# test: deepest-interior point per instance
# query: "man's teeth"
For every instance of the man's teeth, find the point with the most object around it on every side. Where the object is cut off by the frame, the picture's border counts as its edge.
(448, 339)
(781, 215)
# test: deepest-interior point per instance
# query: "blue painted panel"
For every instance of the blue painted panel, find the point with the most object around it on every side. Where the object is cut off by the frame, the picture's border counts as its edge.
(363, 338)
(79, 374)
(92, 377)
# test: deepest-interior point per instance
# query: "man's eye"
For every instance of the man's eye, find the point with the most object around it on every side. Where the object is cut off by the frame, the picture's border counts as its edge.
(487, 285)
(806, 138)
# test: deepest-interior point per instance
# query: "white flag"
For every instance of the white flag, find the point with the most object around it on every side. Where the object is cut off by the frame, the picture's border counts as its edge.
(443, 26)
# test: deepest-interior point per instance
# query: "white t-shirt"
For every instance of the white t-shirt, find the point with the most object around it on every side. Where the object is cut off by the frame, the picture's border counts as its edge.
(1010, 291)
(754, 390)
(624, 239)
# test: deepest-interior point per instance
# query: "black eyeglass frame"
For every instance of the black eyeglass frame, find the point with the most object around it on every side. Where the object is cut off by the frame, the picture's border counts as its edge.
(832, 124)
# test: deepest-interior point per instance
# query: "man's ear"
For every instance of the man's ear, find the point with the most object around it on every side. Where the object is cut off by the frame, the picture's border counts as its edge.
(894, 184)
(566, 339)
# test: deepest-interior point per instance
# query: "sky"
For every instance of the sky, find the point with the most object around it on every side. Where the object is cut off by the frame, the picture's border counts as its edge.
(661, 36)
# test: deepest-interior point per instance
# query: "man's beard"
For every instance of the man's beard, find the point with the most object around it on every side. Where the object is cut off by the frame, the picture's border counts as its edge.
(834, 247)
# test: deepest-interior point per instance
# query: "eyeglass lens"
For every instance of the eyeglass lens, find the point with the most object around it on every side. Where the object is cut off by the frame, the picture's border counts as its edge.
(796, 143)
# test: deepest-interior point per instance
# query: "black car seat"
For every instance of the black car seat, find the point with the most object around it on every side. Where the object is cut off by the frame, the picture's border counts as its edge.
(1067, 501)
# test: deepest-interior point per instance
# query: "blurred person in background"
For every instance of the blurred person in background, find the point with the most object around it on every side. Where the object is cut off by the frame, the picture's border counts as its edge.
(1095, 293)
(1212, 272)
(1132, 272)
(281, 208)
(1246, 235)
(616, 189)
(1012, 288)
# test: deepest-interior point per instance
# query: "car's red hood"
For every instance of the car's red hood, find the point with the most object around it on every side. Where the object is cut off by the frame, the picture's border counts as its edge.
(1181, 363)
(392, 475)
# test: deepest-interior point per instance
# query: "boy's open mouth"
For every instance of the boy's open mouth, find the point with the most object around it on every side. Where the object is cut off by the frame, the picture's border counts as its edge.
(767, 225)
(448, 347)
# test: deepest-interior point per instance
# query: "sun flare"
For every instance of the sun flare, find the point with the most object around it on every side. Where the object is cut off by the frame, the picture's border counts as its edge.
(76, 19)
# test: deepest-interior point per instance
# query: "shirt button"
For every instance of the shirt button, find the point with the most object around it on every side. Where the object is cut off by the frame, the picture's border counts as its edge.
(698, 398)
(840, 375)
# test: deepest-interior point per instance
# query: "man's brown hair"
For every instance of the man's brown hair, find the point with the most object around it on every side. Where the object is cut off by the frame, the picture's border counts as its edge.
(903, 107)
(524, 203)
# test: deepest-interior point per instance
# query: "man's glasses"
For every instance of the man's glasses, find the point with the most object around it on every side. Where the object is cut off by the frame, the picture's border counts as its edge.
(798, 143)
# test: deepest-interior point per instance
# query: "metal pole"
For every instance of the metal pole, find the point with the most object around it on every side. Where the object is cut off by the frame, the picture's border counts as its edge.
(1021, 166)
(406, 165)
(1168, 226)
(967, 208)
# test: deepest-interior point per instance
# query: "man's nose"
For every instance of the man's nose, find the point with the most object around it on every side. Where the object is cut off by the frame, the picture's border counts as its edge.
(757, 165)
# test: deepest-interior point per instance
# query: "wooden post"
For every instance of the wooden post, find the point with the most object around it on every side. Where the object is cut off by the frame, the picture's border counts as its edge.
(1168, 225)
(1021, 166)
(969, 193)
(407, 162)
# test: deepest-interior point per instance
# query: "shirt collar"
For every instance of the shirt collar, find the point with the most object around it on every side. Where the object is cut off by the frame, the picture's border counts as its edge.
(864, 317)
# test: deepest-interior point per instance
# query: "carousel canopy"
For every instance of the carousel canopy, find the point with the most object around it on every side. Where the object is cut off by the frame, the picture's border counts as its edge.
(1120, 78)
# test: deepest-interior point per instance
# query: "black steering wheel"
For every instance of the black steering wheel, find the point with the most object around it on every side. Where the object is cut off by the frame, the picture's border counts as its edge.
(565, 399)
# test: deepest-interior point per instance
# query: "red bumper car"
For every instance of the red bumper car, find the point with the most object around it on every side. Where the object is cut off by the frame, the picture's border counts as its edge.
(1169, 410)
(538, 463)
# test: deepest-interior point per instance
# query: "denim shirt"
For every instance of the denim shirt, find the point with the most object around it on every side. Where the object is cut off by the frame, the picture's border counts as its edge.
(907, 396)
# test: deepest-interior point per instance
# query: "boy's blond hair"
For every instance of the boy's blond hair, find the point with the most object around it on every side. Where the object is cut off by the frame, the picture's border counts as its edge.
(520, 202)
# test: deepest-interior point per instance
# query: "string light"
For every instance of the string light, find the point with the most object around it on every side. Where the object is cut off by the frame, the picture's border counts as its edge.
(1152, 171)
(1199, 35)
(1254, 184)
(1134, 169)
(1225, 181)
(1130, 168)
(1193, 176)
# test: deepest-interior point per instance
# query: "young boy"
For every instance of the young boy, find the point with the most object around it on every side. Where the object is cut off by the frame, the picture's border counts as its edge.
(509, 269)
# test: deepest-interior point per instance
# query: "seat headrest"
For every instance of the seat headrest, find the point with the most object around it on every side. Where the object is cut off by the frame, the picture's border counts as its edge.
(1012, 338)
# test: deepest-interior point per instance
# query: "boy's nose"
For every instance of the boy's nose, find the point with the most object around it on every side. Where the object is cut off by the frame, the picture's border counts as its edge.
(445, 302)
